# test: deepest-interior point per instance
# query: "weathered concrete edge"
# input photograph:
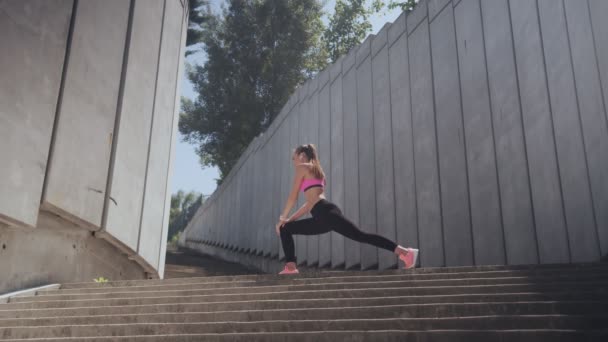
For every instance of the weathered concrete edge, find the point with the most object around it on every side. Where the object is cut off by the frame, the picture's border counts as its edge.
(5, 298)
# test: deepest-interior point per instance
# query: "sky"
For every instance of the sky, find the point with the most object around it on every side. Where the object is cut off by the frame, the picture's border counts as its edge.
(188, 174)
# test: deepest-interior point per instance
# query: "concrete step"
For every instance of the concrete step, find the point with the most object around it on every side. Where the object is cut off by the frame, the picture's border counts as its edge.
(360, 335)
(203, 289)
(496, 303)
(435, 271)
(54, 316)
(415, 278)
(521, 322)
(386, 289)
(193, 283)
(444, 310)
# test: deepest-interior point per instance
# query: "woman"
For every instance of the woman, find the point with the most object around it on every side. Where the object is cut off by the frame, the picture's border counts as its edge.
(326, 216)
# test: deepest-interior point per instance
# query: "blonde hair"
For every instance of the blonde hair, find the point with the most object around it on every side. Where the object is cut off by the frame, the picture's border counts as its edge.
(311, 153)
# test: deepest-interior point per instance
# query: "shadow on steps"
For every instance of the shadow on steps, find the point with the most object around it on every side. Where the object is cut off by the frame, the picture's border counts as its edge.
(182, 263)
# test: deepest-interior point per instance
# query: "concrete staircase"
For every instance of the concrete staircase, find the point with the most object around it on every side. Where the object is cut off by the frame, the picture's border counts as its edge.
(516, 303)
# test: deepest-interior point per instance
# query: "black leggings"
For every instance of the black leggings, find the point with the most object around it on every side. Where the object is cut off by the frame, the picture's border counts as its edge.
(326, 217)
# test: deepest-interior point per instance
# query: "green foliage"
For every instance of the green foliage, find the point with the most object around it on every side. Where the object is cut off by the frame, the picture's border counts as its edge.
(258, 52)
(183, 208)
(196, 20)
(404, 5)
(100, 280)
(348, 26)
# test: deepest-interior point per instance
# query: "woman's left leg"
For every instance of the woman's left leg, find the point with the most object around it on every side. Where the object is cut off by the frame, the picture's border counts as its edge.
(309, 226)
(342, 225)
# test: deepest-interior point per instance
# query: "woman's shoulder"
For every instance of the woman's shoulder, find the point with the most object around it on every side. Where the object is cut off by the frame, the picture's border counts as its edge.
(306, 166)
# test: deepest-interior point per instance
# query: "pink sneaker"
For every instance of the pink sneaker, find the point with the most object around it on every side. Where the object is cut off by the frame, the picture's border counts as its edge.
(409, 258)
(286, 270)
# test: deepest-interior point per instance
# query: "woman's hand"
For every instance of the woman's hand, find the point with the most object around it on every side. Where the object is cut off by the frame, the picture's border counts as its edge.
(278, 227)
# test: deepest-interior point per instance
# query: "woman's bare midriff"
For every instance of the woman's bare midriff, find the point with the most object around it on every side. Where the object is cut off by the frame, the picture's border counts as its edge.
(314, 195)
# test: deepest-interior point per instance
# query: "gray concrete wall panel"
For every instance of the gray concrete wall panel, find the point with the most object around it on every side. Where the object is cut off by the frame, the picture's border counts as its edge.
(301, 240)
(77, 193)
(163, 127)
(335, 115)
(416, 17)
(128, 175)
(578, 206)
(313, 126)
(34, 38)
(481, 161)
(326, 150)
(511, 157)
(451, 142)
(175, 114)
(352, 249)
(591, 76)
(383, 148)
(436, 6)
(538, 128)
(425, 149)
(298, 139)
(397, 29)
(367, 167)
(403, 149)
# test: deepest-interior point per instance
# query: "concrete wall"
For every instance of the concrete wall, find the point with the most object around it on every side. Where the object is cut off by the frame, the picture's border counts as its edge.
(474, 130)
(87, 133)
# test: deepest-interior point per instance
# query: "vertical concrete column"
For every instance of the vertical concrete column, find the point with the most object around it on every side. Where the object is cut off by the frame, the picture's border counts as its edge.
(34, 40)
(248, 226)
(402, 134)
(313, 128)
(367, 167)
(425, 142)
(511, 156)
(326, 146)
(77, 172)
(175, 118)
(383, 146)
(486, 220)
(154, 220)
(131, 156)
(303, 116)
(336, 167)
(591, 78)
(294, 141)
(284, 157)
(539, 134)
(256, 205)
(264, 196)
(350, 157)
(451, 142)
(572, 162)
(275, 164)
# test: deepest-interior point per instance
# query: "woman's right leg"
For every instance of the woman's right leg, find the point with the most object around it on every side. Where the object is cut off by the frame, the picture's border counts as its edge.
(308, 226)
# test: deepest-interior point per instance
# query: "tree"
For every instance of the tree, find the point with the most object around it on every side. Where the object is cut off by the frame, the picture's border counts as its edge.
(404, 5)
(197, 17)
(183, 208)
(348, 26)
(258, 51)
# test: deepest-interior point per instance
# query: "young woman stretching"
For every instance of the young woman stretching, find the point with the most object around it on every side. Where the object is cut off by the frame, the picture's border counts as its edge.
(326, 216)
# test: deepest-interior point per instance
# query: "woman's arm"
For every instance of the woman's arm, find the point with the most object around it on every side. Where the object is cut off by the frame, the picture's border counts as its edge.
(293, 195)
(303, 210)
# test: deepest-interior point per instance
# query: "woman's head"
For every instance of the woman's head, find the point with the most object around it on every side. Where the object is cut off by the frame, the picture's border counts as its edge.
(308, 154)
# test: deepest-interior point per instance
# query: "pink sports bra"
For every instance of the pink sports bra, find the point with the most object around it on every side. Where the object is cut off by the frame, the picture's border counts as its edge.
(311, 183)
